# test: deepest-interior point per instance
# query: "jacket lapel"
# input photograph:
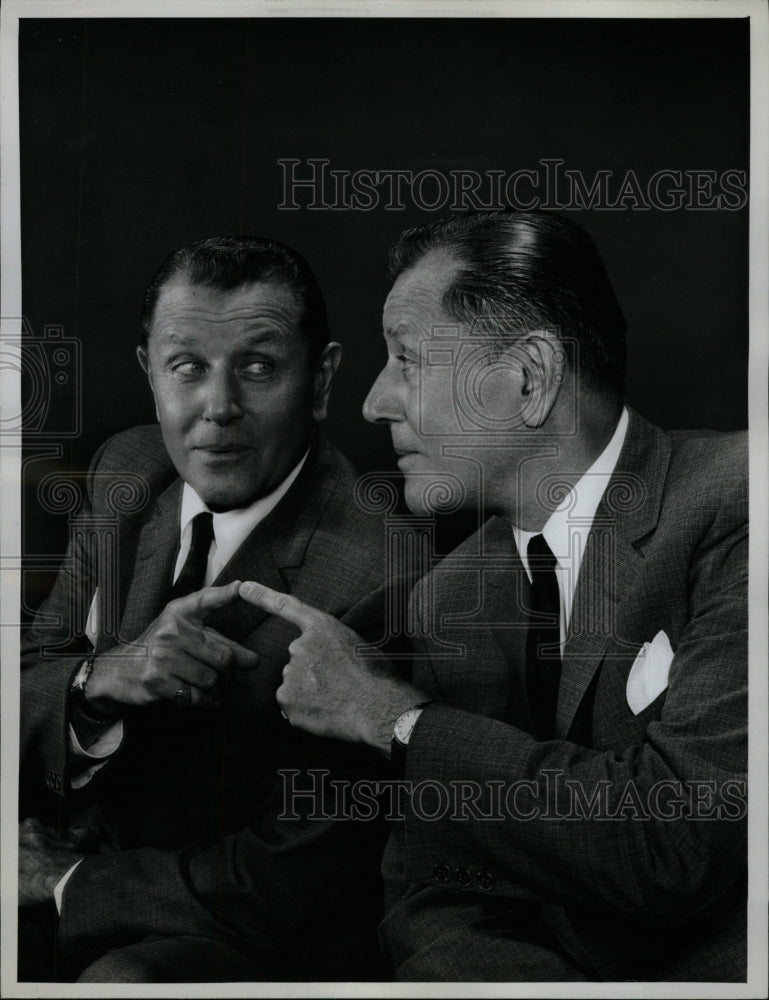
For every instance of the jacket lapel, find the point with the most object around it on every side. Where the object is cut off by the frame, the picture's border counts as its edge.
(254, 560)
(508, 604)
(628, 511)
(279, 542)
(267, 555)
(148, 580)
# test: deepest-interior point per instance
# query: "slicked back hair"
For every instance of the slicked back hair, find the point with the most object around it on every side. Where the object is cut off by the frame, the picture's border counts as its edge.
(523, 271)
(226, 263)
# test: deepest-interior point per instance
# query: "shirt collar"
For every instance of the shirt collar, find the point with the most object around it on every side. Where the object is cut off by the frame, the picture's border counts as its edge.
(576, 510)
(232, 527)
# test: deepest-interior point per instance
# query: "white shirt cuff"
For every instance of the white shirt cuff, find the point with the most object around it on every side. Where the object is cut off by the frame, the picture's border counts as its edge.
(98, 753)
(58, 892)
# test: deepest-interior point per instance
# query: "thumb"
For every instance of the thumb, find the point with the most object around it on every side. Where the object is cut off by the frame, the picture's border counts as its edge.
(82, 836)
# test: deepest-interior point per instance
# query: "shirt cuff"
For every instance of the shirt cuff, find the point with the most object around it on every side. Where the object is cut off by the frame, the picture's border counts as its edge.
(98, 753)
(58, 891)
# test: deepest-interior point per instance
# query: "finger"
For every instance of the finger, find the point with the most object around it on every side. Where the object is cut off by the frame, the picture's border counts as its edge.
(242, 658)
(80, 836)
(283, 701)
(197, 605)
(213, 649)
(203, 645)
(184, 695)
(283, 605)
(35, 834)
(196, 675)
(29, 826)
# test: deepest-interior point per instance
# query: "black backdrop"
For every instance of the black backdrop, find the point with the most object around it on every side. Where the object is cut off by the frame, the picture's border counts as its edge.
(139, 135)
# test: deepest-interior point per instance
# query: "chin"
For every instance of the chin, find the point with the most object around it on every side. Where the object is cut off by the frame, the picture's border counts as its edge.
(226, 496)
(413, 494)
(434, 493)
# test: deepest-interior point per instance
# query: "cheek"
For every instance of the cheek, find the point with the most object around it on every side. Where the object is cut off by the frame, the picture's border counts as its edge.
(434, 406)
(176, 410)
(282, 411)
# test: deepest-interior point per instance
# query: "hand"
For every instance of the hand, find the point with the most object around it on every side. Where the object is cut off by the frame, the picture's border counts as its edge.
(329, 689)
(45, 855)
(176, 652)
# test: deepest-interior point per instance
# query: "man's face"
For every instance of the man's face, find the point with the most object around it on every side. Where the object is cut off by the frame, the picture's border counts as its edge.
(445, 401)
(234, 389)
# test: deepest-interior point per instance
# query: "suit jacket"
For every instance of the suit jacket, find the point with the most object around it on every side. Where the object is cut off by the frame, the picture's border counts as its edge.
(195, 797)
(624, 890)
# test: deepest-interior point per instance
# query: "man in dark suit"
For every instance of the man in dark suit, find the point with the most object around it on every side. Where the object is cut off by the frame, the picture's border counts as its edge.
(155, 840)
(574, 734)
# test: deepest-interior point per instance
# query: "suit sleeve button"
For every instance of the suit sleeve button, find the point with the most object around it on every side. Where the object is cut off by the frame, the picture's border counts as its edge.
(463, 877)
(441, 873)
(486, 881)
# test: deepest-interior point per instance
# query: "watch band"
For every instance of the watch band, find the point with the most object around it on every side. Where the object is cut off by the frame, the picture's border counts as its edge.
(78, 696)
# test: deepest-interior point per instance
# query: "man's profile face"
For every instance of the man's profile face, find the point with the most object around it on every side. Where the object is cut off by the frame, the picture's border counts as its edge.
(233, 386)
(445, 401)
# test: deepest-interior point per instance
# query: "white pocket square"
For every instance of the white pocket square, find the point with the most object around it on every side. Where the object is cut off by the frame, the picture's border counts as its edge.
(648, 676)
(92, 623)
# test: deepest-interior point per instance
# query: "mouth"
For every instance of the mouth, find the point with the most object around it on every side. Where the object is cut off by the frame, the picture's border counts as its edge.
(404, 456)
(222, 449)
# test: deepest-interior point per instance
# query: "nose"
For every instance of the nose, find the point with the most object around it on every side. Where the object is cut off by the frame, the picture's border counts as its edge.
(222, 397)
(382, 404)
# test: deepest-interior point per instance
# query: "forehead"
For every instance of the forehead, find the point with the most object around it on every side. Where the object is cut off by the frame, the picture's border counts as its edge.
(260, 307)
(416, 298)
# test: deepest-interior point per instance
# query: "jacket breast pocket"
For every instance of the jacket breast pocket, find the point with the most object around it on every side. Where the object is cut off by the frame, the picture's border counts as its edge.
(620, 720)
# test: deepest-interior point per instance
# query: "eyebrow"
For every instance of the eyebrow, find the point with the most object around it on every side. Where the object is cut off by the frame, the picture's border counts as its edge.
(255, 337)
(399, 330)
(393, 340)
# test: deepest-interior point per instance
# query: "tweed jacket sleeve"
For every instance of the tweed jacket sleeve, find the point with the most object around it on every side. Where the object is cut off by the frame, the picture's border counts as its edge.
(641, 815)
(209, 844)
(52, 650)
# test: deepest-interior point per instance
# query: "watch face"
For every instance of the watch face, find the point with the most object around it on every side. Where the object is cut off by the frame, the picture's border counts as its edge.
(405, 724)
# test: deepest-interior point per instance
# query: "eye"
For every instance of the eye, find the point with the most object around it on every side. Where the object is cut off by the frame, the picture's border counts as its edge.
(259, 367)
(407, 364)
(187, 368)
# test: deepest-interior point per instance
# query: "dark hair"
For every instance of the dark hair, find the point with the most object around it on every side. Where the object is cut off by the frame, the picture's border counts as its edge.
(229, 262)
(524, 270)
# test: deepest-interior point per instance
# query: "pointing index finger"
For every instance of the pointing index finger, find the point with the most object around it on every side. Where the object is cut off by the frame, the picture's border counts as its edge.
(197, 605)
(283, 605)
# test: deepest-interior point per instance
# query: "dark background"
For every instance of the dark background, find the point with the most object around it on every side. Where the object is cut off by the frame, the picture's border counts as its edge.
(138, 136)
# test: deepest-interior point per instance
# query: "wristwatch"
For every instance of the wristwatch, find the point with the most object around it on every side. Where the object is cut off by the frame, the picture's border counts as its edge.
(402, 730)
(78, 697)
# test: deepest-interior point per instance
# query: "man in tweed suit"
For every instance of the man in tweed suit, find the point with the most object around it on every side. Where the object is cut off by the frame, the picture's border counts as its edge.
(573, 738)
(151, 737)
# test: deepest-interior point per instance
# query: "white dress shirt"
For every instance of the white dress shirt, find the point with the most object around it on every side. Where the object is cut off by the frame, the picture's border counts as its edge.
(567, 528)
(231, 527)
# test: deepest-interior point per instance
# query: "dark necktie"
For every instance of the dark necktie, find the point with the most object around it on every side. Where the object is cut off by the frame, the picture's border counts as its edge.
(193, 573)
(543, 651)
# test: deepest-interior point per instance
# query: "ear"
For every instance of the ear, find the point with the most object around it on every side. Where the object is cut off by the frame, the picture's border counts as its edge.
(144, 361)
(542, 361)
(325, 370)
